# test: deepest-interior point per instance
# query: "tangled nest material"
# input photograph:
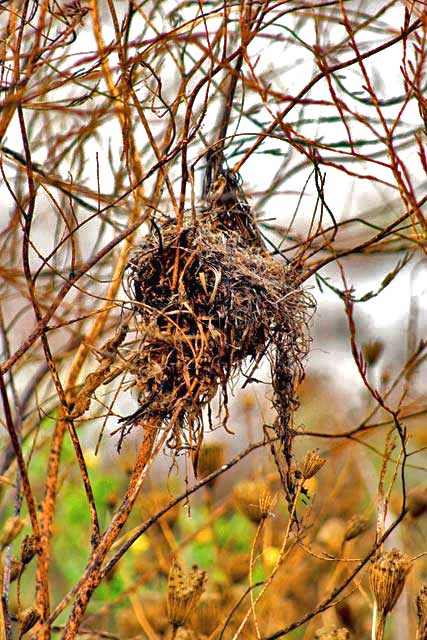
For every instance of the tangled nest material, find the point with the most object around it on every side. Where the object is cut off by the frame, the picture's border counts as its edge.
(208, 303)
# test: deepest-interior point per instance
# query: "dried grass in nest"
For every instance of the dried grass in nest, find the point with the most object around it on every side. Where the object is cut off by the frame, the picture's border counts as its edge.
(208, 303)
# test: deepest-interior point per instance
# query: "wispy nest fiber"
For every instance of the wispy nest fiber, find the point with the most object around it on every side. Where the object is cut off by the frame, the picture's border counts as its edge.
(209, 303)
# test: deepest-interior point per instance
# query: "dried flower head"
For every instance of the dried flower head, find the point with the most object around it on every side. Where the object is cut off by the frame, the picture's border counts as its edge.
(422, 613)
(356, 526)
(254, 499)
(211, 457)
(16, 568)
(235, 565)
(28, 548)
(372, 351)
(416, 501)
(153, 501)
(26, 620)
(11, 530)
(331, 633)
(184, 592)
(387, 575)
(312, 463)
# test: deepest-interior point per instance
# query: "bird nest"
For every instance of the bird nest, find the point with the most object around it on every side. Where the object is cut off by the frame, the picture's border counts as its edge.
(207, 305)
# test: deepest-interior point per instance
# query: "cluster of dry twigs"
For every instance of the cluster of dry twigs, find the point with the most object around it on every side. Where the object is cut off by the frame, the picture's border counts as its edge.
(171, 180)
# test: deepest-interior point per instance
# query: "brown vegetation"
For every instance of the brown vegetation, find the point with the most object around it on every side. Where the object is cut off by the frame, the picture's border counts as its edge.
(171, 183)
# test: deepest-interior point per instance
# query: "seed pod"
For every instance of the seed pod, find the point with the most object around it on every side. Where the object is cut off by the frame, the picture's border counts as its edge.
(372, 351)
(356, 526)
(184, 592)
(27, 620)
(16, 568)
(312, 463)
(28, 548)
(211, 457)
(387, 575)
(11, 530)
(422, 613)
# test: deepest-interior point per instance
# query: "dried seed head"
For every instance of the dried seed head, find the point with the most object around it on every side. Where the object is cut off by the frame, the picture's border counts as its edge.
(422, 613)
(372, 351)
(12, 528)
(356, 526)
(207, 616)
(27, 620)
(330, 633)
(211, 457)
(184, 592)
(28, 548)
(312, 463)
(254, 499)
(156, 612)
(331, 534)
(16, 568)
(267, 502)
(152, 501)
(236, 566)
(387, 575)
(417, 501)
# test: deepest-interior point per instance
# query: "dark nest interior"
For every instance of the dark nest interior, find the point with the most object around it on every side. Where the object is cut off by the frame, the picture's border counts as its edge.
(207, 304)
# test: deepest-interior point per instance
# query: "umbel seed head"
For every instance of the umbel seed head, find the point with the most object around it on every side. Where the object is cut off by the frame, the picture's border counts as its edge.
(254, 499)
(387, 575)
(184, 592)
(312, 463)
